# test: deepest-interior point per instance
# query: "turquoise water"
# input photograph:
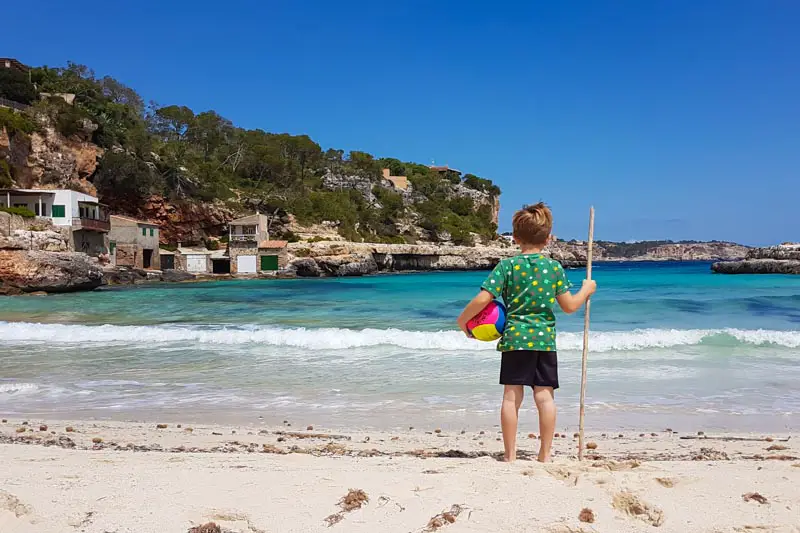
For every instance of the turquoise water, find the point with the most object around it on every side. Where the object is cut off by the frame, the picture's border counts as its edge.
(671, 345)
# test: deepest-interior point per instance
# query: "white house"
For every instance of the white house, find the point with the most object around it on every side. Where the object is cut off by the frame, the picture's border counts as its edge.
(86, 217)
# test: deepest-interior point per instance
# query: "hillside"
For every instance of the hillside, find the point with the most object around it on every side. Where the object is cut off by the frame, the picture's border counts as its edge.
(193, 172)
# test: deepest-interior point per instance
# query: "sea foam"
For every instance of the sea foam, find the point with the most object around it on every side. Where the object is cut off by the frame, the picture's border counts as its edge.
(339, 339)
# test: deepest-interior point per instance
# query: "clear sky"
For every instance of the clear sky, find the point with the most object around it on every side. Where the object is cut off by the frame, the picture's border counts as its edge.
(677, 119)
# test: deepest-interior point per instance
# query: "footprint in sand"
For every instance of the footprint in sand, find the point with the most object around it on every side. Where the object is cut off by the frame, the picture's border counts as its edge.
(13, 512)
(235, 521)
(567, 475)
(631, 505)
(564, 528)
(12, 504)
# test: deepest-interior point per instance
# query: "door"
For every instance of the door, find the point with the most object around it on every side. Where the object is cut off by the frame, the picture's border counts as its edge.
(196, 263)
(269, 262)
(246, 264)
(167, 262)
(147, 258)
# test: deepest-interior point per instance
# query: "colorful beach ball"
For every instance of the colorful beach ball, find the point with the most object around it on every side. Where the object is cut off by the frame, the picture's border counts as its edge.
(488, 325)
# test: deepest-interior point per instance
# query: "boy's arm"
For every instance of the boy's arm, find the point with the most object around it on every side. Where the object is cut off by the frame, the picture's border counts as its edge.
(473, 308)
(572, 302)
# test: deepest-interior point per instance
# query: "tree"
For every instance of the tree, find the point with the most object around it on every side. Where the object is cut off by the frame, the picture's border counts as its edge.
(124, 181)
(16, 86)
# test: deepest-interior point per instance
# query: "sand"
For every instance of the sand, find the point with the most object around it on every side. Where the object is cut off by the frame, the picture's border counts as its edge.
(143, 479)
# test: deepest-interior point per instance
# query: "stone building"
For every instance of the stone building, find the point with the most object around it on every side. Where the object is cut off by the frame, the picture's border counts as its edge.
(134, 243)
(249, 248)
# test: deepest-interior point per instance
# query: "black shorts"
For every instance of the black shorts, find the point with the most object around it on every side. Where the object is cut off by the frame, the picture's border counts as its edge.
(531, 368)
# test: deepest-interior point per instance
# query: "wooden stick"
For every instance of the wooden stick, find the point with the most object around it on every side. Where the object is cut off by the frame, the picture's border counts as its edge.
(585, 336)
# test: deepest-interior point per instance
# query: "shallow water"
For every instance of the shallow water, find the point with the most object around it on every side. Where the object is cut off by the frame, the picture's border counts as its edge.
(672, 345)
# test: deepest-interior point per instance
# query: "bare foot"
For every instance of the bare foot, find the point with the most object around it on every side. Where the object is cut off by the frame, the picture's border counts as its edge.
(507, 459)
(543, 458)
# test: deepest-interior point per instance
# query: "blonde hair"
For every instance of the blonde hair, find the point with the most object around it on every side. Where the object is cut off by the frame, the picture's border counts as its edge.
(533, 224)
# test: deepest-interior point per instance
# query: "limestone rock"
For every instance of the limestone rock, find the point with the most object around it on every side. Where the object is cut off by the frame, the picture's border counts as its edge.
(783, 259)
(30, 271)
(758, 266)
(176, 276)
(47, 159)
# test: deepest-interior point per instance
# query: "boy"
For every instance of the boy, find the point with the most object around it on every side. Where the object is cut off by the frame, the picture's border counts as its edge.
(529, 284)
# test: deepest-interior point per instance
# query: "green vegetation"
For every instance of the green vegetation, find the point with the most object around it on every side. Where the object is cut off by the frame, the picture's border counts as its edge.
(185, 156)
(15, 123)
(16, 86)
(6, 180)
(24, 212)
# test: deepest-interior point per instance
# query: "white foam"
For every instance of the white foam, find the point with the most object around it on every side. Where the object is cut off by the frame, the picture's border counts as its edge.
(18, 387)
(339, 339)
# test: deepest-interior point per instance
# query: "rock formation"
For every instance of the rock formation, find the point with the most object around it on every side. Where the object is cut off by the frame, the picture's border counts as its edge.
(35, 256)
(46, 159)
(783, 259)
(355, 259)
(32, 271)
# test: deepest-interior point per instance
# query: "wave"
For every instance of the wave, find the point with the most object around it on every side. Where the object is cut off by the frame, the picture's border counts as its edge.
(13, 388)
(340, 339)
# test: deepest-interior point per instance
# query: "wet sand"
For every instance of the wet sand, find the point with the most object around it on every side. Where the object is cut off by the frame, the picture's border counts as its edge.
(138, 477)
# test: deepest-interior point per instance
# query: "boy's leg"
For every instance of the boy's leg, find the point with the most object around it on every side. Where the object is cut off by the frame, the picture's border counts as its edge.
(509, 415)
(547, 420)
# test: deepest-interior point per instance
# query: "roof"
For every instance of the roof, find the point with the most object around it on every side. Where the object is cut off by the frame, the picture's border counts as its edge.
(273, 244)
(129, 219)
(252, 219)
(194, 251)
(30, 191)
(444, 169)
(14, 63)
(162, 251)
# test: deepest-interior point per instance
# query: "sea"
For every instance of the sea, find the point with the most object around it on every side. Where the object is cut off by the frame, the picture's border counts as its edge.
(671, 346)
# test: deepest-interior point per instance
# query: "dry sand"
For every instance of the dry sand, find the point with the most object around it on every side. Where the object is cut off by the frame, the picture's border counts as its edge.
(253, 479)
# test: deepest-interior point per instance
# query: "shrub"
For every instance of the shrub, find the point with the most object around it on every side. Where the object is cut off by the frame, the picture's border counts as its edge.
(24, 212)
(16, 122)
(5, 174)
(211, 244)
(290, 236)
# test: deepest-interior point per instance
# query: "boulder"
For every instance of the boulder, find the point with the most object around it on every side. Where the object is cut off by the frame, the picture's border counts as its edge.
(306, 268)
(758, 266)
(176, 276)
(30, 271)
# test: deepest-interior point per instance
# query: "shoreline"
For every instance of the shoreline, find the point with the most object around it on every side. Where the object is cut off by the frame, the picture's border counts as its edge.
(147, 477)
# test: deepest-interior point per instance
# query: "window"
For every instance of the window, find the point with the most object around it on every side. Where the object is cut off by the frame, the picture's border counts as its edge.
(144, 232)
(152, 232)
(59, 211)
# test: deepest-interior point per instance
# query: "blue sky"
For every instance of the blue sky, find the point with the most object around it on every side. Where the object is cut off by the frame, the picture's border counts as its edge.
(676, 119)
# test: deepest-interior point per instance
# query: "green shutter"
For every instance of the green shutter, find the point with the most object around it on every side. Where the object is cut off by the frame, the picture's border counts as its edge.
(152, 232)
(144, 232)
(59, 211)
(269, 262)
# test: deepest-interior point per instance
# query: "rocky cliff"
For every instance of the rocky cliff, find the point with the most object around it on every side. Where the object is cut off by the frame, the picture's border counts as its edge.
(665, 251)
(34, 256)
(354, 259)
(48, 160)
(783, 259)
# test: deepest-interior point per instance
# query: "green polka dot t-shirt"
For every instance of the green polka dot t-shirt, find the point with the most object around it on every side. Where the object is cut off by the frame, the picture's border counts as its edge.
(528, 285)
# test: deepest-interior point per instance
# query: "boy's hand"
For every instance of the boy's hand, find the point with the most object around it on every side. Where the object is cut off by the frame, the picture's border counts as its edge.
(589, 287)
(463, 325)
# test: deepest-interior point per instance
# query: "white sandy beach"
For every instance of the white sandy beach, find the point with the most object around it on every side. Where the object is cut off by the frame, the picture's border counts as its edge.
(144, 479)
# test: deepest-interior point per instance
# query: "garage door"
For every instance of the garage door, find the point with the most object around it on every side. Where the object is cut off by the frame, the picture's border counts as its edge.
(246, 264)
(269, 262)
(196, 263)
